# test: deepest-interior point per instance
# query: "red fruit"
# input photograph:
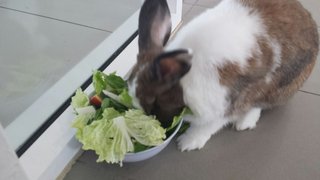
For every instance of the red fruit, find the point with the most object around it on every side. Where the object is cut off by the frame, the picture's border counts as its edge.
(96, 101)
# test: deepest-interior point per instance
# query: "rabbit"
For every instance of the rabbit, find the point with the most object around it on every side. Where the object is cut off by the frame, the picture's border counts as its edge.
(227, 64)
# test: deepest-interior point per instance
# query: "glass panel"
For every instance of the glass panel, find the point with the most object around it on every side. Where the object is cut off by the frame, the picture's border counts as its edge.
(43, 45)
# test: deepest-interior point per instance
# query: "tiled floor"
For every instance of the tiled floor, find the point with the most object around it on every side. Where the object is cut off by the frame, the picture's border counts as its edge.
(41, 40)
(285, 144)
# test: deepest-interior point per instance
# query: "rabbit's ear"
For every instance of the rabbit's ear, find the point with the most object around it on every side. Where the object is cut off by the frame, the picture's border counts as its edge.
(169, 67)
(154, 25)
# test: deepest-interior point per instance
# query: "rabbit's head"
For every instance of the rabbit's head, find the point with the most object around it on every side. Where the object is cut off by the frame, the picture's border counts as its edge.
(154, 81)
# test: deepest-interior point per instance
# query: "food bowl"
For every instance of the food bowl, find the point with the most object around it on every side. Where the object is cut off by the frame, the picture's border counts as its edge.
(108, 112)
(143, 155)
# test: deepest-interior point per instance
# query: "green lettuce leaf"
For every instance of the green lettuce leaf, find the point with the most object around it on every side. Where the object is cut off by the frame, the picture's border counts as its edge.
(125, 98)
(138, 147)
(145, 129)
(80, 99)
(115, 83)
(80, 122)
(98, 80)
(111, 82)
(175, 122)
(108, 102)
(109, 139)
(110, 113)
(84, 116)
(85, 112)
(111, 136)
(184, 127)
(177, 119)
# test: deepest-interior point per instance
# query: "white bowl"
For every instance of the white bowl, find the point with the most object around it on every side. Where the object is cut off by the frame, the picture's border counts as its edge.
(143, 155)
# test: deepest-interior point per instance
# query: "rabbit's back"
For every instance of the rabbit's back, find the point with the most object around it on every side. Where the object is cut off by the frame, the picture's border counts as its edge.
(247, 53)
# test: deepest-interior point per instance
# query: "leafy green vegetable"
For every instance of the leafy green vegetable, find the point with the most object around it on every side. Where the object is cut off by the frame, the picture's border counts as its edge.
(125, 98)
(115, 83)
(97, 116)
(177, 119)
(80, 123)
(183, 128)
(110, 113)
(114, 129)
(175, 122)
(111, 82)
(98, 81)
(114, 87)
(80, 99)
(108, 102)
(109, 138)
(145, 129)
(85, 112)
(138, 147)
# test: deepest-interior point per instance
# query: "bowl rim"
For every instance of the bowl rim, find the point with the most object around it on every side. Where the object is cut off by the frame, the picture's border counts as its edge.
(165, 141)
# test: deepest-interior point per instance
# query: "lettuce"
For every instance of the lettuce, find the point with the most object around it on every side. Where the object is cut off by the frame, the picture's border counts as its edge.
(178, 118)
(125, 98)
(145, 129)
(80, 99)
(80, 123)
(116, 134)
(113, 86)
(115, 129)
(115, 83)
(85, 112)
(111, 82)
(110, 113)
(109, 138)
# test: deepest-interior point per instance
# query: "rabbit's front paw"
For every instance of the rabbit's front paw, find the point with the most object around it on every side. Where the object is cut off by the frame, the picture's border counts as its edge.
(245, 125)
(192, 140)
(249, 121)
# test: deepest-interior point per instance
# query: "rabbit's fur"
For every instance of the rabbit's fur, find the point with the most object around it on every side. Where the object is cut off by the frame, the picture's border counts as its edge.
(226, 65)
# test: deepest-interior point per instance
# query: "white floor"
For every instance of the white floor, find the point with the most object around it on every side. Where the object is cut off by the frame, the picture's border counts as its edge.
(41, 40)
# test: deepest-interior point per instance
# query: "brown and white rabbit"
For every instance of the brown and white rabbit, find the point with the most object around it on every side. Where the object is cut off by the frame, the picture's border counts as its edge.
(226, 65)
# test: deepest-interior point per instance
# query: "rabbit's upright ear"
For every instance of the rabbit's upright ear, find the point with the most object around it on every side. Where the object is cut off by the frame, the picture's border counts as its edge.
(154, 25)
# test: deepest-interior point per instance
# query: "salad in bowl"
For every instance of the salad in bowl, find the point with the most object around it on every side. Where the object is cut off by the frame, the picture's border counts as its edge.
(107, 123)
